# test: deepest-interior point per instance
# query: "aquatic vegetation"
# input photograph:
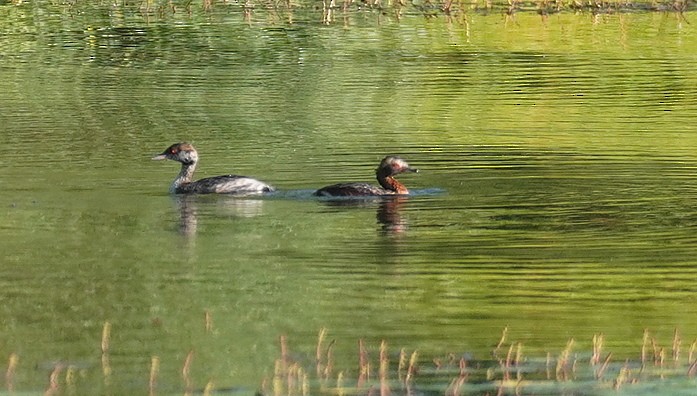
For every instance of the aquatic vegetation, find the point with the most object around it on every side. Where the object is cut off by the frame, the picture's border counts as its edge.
(506, 371)
(579, 367)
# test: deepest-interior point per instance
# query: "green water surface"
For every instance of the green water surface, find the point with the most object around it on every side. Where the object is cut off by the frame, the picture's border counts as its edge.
(556, 194)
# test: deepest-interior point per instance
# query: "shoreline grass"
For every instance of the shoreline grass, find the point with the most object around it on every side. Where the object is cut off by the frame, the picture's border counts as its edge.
(583, 367)
(507, 371)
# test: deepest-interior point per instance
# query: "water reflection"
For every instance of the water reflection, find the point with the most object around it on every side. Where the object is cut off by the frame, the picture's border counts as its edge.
(193, 207)
(189, 207)
(390, 217)
(389, 211)
(188, 215)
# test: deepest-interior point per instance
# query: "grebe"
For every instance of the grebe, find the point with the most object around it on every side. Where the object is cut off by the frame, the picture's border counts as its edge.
(228, 184)
(388, 168)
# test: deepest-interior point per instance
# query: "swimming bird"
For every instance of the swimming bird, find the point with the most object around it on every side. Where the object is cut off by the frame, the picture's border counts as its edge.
(226, 184)
(389, 167)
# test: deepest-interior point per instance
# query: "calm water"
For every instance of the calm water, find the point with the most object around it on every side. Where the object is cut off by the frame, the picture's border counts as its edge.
(556, 196)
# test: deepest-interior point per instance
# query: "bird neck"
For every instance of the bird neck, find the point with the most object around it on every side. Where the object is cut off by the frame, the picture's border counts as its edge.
(185, 176)
(390, 183)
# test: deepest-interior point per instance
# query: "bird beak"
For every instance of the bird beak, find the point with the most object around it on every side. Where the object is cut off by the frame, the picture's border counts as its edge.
(159, 157)
(412, 170)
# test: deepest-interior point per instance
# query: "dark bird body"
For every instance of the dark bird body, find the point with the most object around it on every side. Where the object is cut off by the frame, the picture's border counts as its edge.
(388, 168)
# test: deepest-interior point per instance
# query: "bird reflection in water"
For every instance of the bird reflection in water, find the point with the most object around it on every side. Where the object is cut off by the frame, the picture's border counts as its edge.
(388, 215)
(189, 206)
(188, 215)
